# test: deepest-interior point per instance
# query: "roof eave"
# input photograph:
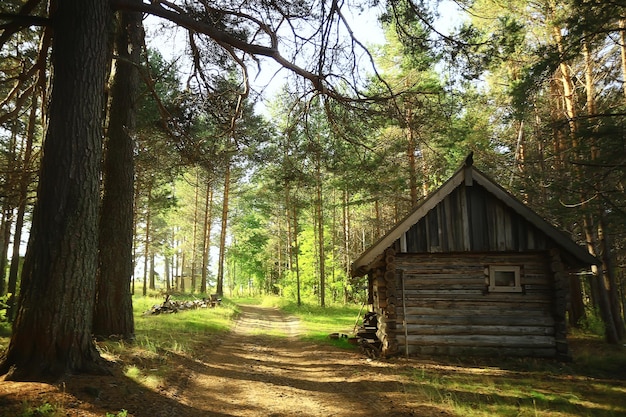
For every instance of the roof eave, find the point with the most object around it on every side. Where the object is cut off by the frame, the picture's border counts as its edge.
(467, 174)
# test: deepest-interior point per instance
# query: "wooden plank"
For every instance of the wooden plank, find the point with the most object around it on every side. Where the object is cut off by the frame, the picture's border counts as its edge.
(474, 329)
(465, 222)
(517, 320)
(524, 341)
(532, 309)
(499, 227)
(509, 242)
(494, 352)
(447, 223)
(432, 231)
(471, 258)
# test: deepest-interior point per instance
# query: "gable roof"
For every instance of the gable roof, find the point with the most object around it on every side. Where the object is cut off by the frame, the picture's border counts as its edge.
(467, 175)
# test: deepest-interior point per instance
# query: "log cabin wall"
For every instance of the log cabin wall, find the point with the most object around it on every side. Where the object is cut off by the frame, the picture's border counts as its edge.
(445, 303)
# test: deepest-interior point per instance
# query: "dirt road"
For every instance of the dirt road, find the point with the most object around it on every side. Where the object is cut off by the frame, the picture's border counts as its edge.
(260, 368)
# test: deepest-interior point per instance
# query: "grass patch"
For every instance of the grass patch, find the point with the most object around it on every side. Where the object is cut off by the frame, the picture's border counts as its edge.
(176, 332)
(45, 409)
(317, 323)
(159, 337)
(151, 379)
(484, 387)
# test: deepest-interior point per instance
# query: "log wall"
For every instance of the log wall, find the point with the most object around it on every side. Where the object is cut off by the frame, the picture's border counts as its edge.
(440, 304)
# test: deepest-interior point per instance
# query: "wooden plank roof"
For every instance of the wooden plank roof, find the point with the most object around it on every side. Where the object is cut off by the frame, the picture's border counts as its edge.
(467, 175)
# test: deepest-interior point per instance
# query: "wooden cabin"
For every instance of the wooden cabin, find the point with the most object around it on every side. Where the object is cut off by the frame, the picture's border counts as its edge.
(472, 270)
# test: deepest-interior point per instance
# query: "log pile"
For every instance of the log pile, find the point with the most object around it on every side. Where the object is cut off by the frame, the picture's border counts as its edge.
(386, 301)
(174, 306)
(368, 342)
(387, 319)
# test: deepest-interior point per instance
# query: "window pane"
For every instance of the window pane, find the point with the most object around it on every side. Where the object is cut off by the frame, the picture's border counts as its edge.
(504, 278)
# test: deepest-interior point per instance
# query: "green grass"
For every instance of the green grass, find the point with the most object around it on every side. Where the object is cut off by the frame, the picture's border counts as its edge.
(45, 409)
(482, 387)
(158, 337)
(317, 323)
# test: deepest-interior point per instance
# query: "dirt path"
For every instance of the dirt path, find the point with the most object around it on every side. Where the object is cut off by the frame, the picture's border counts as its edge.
(260, 368)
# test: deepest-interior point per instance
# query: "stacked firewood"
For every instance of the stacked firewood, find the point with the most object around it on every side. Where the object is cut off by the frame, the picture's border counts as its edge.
(174, 306)
(368, 341)
(387, 320)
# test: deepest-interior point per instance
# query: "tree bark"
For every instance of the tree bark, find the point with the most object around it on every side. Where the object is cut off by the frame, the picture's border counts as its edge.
(194, 243)
(5, 237)
(319, 211)
(410, 153)
(206, 241)
(113, 313)
(146, 252)
(220, 264)
(54, 337)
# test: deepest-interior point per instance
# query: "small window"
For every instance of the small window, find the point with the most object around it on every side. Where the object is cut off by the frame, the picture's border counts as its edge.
(504, 279)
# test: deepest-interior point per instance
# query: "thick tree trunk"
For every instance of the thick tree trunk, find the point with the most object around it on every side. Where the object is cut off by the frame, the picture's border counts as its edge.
(610, 279)
(182, 269)
(152, 272)
(599, 287)
(346, 240)
(113, 313)
(52, 330)
(166, 259)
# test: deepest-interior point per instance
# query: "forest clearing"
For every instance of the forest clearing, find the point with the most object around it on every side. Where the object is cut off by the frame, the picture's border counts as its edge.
(269, 363)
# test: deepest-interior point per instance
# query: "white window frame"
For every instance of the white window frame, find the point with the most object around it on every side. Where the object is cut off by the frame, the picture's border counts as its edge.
(493, 269)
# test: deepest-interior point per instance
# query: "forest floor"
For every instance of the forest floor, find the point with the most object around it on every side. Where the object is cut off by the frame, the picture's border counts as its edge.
(260, 368)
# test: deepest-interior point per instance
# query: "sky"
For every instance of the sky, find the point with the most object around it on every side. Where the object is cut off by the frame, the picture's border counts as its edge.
(364, 24)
